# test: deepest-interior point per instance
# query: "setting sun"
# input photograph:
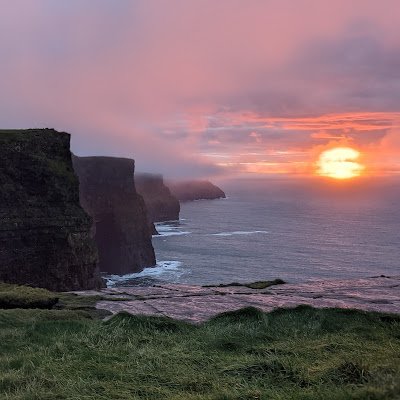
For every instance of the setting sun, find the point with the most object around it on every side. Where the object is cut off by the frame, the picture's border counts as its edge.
(339, 163)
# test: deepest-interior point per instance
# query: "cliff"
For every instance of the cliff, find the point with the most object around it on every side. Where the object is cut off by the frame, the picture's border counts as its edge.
(161, 204)
(108, 194)
(195, 190)
(45, 238)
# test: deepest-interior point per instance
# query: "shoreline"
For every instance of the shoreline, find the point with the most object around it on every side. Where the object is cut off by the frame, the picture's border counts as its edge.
(198, 304)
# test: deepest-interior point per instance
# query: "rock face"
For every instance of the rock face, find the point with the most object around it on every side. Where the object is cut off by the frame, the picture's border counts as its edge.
(197, 304)
(195, 190)
(161, 204)
(45, 237)
(108, 194)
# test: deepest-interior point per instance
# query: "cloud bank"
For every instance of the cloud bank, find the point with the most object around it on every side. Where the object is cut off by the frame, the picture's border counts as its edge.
(203, 87)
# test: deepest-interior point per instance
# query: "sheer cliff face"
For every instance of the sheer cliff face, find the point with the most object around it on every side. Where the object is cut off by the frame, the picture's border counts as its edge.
(160, 203)
(122, 232)
(195, 190)
(45, 238)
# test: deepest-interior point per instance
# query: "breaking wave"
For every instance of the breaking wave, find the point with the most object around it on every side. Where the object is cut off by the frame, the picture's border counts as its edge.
(164, 270)
(170, 228)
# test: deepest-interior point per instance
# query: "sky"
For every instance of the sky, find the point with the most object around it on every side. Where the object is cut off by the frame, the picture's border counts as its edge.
(206, 88)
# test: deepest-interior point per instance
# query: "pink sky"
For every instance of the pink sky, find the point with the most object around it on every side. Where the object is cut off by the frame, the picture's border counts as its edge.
(206, 87)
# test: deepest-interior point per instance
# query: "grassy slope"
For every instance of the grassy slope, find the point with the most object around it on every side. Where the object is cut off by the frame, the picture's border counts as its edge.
(19, 296)
(14, 296)
(288, 354)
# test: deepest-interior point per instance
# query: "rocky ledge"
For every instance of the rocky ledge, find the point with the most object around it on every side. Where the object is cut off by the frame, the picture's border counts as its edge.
(195, 190)
(196, 303)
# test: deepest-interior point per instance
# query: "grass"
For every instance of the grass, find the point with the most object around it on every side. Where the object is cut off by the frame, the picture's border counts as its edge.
(302, 353)
(83, 304)
(26, 297)
(14, 296)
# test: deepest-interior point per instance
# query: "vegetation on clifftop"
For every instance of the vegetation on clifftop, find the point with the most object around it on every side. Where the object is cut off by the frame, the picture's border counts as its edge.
(14, 296)
(21, 296)
(301, 353)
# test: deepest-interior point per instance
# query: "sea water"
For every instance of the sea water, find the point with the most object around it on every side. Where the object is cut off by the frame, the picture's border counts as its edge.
(296, 230)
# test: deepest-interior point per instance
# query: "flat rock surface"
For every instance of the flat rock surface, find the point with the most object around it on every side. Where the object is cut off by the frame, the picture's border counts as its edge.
(197, 304)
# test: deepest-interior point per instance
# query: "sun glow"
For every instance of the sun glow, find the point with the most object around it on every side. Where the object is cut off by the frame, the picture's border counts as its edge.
(339, 163)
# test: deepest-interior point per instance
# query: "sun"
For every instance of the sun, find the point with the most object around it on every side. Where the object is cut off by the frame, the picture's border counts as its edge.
(339, 163)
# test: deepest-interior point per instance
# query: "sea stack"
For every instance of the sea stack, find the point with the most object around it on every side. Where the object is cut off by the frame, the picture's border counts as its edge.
(195, 190)
(161, 204)
(45, 235)
(122, 232)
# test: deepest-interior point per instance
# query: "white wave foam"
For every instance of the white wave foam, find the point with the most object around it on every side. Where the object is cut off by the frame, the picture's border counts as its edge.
(163, 234)
(163, 269)
(239, 233)
(166, 229)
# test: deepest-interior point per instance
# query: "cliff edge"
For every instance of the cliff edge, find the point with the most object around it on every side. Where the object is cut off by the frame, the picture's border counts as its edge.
(195, 190)
(161, 204)
(45, 238)
(108, 194)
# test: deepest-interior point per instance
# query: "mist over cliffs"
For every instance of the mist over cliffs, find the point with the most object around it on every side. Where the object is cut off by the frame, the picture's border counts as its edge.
(122, 231)
(195, 190)
(161, 204)
(45, 235)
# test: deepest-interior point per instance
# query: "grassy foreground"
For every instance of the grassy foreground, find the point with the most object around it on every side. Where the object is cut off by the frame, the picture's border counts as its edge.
(302, 353)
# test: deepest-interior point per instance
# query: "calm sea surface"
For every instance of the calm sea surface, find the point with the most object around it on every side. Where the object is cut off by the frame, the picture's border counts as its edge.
(294, 230)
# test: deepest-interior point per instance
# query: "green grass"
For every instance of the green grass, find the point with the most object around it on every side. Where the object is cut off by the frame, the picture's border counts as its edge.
(301, 353)
(14, 296)
(83, 304)
(20, 296)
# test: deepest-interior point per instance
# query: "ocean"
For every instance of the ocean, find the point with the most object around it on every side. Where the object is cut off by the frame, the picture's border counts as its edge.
(296, 230)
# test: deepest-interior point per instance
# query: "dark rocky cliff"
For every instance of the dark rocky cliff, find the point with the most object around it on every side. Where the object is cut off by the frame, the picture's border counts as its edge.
(160, 203)
(108, 194)
(45, 238)
(195, 190)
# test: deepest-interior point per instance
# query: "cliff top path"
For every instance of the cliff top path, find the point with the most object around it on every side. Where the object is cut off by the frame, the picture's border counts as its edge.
(197, 304)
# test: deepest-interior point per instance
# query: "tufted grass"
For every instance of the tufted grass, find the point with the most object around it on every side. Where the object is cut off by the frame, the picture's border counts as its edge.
(26, 297)
(301, 353)
(15, 296)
